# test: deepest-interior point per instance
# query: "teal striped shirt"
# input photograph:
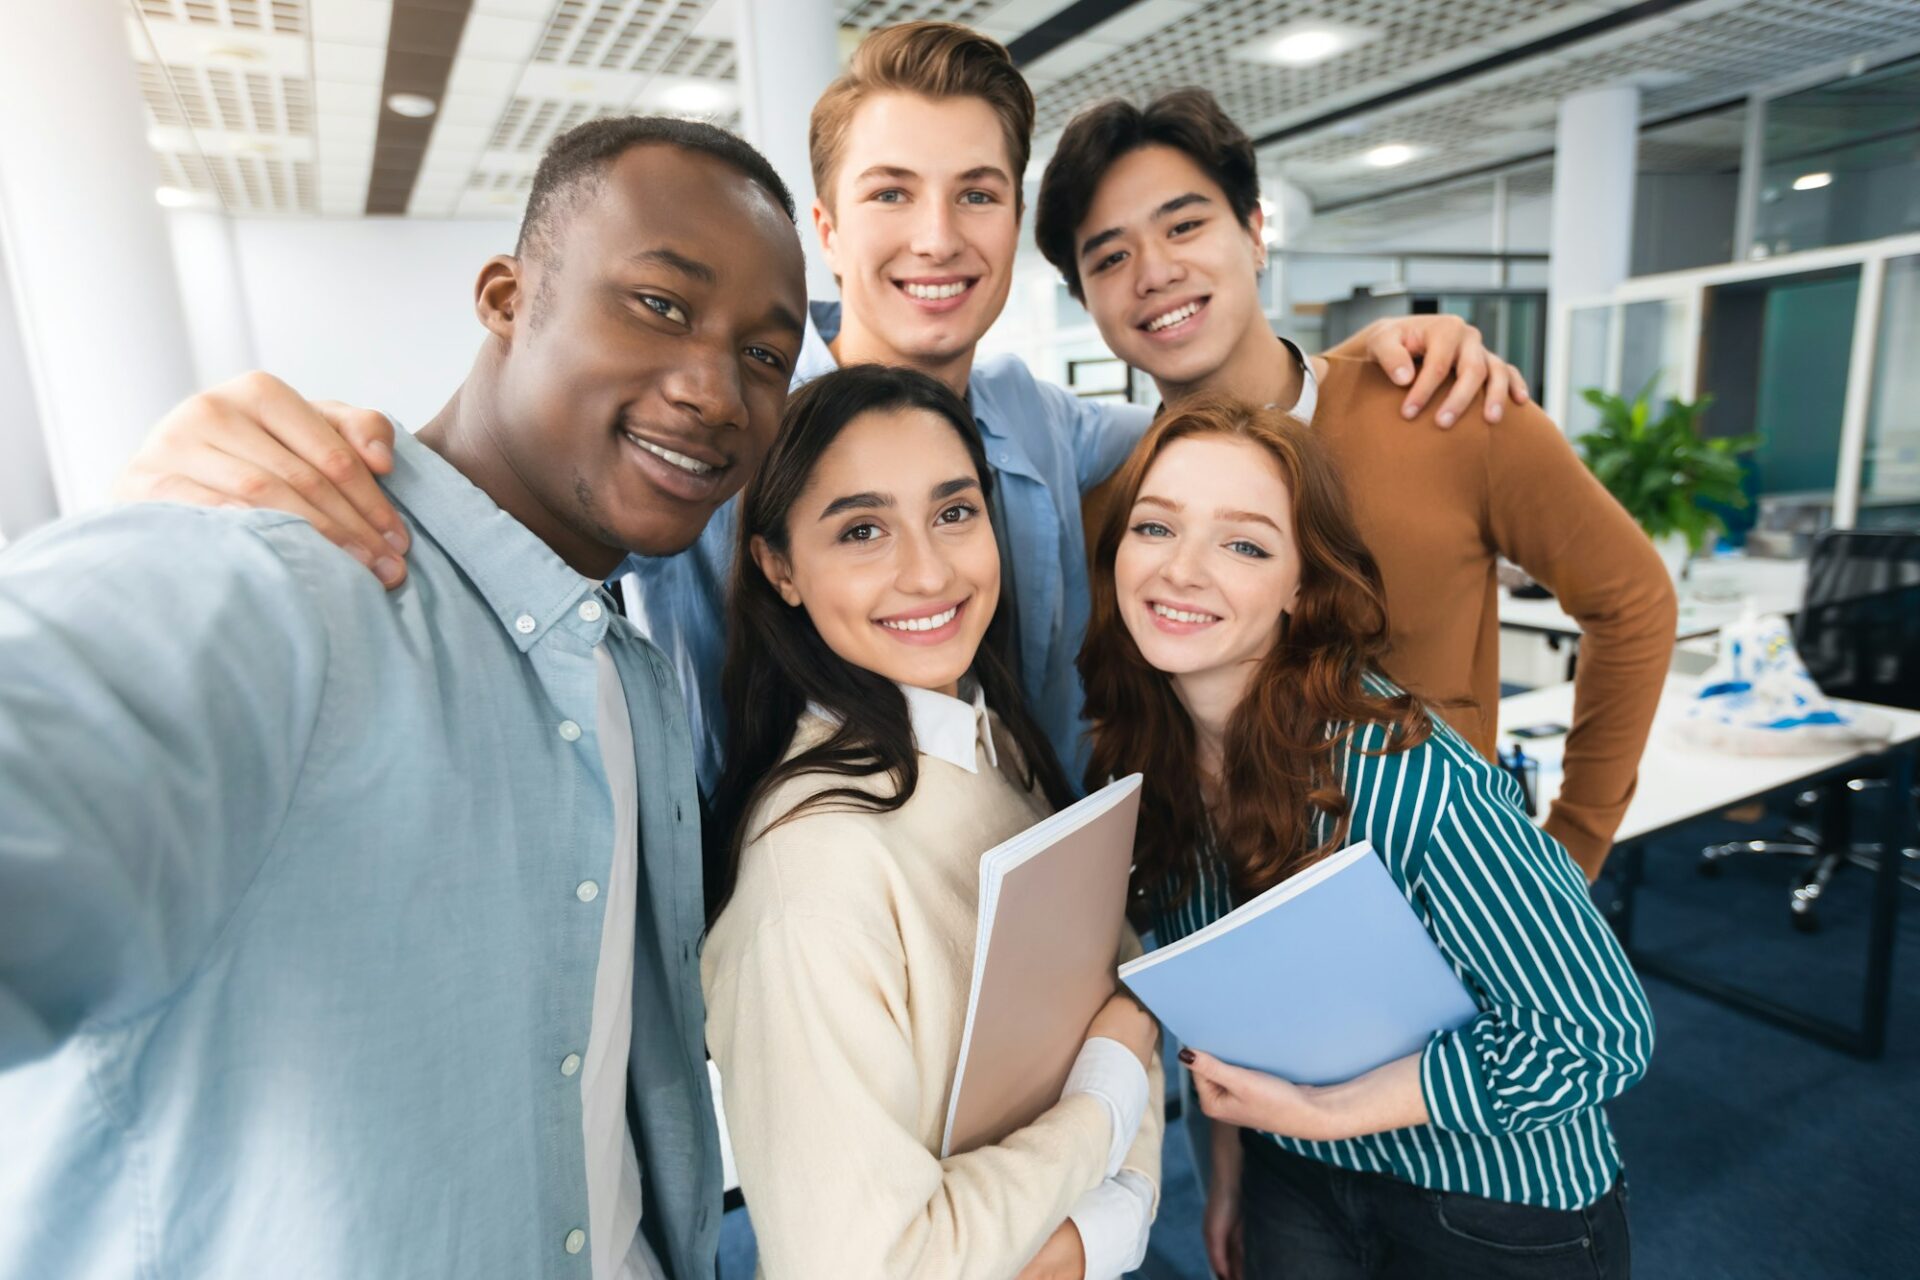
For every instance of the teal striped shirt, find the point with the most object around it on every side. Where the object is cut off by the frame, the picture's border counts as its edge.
(1514, 1097)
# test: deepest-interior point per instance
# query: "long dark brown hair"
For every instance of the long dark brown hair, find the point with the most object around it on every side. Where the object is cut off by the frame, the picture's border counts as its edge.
(777, 663)
(1279, 765)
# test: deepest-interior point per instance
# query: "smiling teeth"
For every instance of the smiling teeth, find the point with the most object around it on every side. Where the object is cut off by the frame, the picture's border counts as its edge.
(933, 623)
(1181, 615)
(935, 292)
(1172, 317)
(692, 466)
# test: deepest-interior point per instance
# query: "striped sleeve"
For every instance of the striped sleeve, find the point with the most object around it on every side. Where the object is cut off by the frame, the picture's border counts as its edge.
(1564, 1025)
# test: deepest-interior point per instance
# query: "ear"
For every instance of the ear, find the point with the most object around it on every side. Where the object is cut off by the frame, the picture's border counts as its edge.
(1257, 226)
(775, 568)
(823, 227)
(497, 297)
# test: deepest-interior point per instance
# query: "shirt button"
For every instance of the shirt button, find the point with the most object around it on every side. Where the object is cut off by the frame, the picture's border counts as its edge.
(569, 730)
(524, 624)
(576, 1240)
(586, 891)
(570, 1064)
(589, 611)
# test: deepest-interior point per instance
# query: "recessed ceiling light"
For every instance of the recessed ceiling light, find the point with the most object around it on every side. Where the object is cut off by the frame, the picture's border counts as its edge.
(1392, 155)
(414, 106)
(1301, 44)
(694, 99)
(173, 197)
(1812, 181)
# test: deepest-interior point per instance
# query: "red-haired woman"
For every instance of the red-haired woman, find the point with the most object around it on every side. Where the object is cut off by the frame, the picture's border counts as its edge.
(1232, 659)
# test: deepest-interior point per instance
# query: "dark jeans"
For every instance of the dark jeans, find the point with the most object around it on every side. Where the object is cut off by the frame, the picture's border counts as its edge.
(1305, 1220)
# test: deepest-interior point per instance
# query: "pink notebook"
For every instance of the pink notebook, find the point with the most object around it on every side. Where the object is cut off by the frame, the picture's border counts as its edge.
(1052, 906)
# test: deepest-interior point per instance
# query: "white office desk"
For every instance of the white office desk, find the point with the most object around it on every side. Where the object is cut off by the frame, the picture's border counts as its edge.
(1716, 591)
(1680, 783)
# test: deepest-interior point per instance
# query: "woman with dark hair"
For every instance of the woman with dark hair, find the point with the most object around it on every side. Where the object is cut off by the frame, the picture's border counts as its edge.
(878, 745)
(1233, 659)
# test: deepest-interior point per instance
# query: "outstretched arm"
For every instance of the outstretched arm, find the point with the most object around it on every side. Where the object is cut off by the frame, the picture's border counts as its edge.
(159, 678)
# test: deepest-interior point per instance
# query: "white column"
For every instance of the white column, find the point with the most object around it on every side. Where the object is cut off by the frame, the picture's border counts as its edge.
(207, 263)
(26, 477)
(1593, 167)
(789, 54)
(87, 254)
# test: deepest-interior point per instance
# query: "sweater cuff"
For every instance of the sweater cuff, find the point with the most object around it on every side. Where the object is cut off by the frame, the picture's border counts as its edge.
(1108, 1070)
(1114, 1220)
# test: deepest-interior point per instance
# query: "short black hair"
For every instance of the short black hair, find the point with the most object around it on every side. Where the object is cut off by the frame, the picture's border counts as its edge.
(1188, 120)
(576, 159)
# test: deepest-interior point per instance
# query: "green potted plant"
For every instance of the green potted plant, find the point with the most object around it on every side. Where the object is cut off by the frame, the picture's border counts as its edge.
(1662, 470)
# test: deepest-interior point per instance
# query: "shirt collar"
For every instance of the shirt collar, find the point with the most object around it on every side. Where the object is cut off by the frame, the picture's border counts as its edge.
(948, 729)
(945, 728)
(1309, 400)
(528, 587)
(1309, 385)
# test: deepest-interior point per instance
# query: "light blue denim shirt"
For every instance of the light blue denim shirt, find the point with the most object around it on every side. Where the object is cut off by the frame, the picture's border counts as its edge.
(294, 941)
(1046, 446)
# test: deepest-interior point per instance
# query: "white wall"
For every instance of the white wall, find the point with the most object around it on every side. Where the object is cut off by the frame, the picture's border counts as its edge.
(26, 478)
(375, 312)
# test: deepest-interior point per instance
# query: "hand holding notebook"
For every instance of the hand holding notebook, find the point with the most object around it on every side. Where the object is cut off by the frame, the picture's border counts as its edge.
(1320, 979)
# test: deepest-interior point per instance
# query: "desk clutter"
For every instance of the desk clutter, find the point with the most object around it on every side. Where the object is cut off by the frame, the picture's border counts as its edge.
(1758, 699)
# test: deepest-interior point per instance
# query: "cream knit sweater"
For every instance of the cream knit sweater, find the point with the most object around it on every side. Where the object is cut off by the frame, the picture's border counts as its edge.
(836, 981)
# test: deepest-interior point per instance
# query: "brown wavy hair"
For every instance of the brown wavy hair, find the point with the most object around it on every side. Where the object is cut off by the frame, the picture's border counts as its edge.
(1279, 763)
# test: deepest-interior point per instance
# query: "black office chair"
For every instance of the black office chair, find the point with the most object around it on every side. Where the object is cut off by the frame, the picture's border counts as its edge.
(1858, 631)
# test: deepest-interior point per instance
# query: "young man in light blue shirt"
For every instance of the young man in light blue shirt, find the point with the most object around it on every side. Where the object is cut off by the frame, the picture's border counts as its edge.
(353, 934)
(918, 152)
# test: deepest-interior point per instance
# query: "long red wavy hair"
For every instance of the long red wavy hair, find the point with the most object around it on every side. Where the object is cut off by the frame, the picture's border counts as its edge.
(1279, 763)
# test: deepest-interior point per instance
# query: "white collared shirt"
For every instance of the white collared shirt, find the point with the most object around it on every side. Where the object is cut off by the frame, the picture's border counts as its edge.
(949, 729)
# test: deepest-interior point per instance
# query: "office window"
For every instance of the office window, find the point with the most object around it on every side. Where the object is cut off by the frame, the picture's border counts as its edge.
(1842, 162)
(1890, 467)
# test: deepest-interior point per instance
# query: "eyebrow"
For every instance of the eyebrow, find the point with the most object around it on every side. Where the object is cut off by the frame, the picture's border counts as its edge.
(959, 484)
(780, 316)
(1174, 205)
(867, 501)
(974, 174)
(871, 501)
(1246, 517)
(1226, 514)
(674, 261)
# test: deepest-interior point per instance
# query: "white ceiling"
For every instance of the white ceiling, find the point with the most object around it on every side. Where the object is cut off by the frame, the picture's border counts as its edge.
(271, 106)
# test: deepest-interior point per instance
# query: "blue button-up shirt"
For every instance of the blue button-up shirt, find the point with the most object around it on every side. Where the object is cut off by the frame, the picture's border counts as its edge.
(293, 938)
(1046, 446)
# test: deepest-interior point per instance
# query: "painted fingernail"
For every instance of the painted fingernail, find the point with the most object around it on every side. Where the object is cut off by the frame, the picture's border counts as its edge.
(396, 540)
(379, 453)
(1186, 1056)
(1403, 375)
(1446, 418)
(389, 570)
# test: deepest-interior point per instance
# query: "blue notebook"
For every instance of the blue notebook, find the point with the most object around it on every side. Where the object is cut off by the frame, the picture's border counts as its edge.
(1323, 977)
